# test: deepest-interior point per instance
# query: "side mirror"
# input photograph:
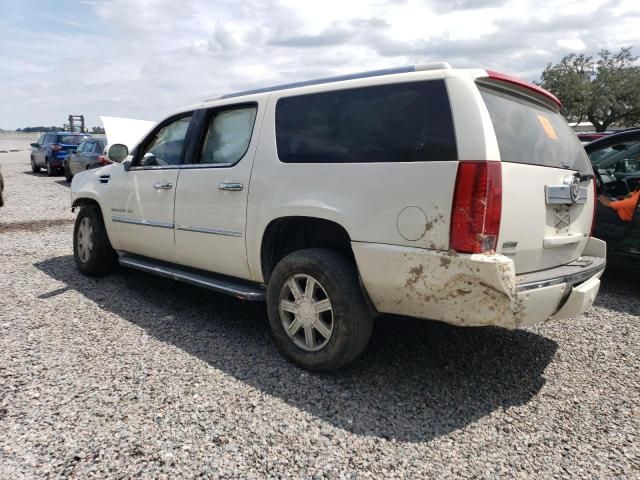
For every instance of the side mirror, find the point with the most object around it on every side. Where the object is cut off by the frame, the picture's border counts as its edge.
(117, 152)
(35, 145)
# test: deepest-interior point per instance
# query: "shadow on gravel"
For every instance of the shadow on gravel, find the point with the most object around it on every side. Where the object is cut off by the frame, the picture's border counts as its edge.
(416, 381)
(33, 225)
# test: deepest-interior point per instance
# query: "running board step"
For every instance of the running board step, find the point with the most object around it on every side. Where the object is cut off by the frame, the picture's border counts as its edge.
(242, 289)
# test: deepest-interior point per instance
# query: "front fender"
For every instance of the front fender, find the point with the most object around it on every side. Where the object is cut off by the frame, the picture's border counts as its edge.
(90, 185)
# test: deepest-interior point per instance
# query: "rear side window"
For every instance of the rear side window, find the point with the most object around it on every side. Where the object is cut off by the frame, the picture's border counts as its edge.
(406, 122)
(533, 134)
(228, 135)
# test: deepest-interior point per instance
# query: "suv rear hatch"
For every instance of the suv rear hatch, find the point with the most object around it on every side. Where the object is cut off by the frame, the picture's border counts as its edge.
(69, 143)
(547, 186)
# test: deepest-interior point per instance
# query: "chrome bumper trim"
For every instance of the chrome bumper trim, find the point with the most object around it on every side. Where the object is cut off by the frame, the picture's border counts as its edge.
(570, 274)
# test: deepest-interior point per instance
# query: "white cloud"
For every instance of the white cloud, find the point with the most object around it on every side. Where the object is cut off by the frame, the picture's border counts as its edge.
(144, 58)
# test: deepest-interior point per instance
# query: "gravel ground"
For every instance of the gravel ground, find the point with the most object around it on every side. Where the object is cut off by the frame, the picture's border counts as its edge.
(133, 375)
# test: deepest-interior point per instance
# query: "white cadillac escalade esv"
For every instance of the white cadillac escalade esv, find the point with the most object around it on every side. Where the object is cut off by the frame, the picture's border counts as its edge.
(454, 195)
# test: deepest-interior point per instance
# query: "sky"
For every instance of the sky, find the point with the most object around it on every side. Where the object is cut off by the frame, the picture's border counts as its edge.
(145, 58)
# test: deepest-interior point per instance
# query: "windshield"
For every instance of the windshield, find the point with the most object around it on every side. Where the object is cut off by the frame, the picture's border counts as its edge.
(531, 133)
(71, 139)
(601, 156)
(612, 156)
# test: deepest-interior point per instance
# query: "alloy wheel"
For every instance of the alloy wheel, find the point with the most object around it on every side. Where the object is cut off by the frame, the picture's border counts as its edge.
(306, 312)
(85, 242)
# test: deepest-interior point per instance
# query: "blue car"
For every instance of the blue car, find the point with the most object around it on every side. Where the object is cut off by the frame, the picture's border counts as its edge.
(51, 149)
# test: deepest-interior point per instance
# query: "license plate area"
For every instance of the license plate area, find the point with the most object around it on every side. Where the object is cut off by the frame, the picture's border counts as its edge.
(561, 219)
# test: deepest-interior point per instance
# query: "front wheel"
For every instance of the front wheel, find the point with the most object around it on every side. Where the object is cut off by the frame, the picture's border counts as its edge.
(34, 167)
(67, 173)
(317, 310)
(92, 249)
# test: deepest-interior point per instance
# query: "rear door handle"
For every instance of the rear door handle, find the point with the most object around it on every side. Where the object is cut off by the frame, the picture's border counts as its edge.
(233, 187)
(163, 186)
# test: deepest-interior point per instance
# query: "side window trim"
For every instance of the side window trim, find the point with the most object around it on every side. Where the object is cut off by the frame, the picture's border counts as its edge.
(187, 141)
(205, 116)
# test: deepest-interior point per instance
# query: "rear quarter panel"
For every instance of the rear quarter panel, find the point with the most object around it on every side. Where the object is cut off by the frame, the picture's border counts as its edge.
(367, 199)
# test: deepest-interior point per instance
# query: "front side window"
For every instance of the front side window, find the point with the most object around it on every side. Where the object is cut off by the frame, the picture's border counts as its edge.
(228, 135)
(81, 147)
(165, 145)
(403, 122)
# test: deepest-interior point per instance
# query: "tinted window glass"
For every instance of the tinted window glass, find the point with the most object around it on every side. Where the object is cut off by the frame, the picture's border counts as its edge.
(407, 122)
(533, 134)
(600, 156)
(70, 139)
(81, 147)
(165, 145)
(622, 157)
(228, 135)
(100, 144)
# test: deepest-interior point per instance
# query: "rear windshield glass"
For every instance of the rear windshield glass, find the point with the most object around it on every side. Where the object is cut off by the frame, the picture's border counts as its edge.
(530, 133)
(405, 122)
(71, 139)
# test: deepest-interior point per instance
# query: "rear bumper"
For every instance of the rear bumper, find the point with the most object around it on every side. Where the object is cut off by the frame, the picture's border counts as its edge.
(476, 290)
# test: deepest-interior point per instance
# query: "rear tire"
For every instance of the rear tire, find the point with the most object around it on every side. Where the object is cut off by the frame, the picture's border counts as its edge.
(320, 321)
(34, 167)
(50, 171)
(92, 249)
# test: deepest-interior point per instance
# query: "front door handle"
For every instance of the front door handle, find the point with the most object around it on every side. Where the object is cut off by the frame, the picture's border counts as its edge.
(233, 187)
(163, 186)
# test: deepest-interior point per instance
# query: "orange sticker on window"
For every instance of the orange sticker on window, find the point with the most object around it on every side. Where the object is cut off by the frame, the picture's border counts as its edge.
(548, 128)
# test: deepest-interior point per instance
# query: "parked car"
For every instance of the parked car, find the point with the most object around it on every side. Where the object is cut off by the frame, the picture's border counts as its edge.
(89, 154)
(455, 195)
(590, 137)
(616, 161)
(51, 149)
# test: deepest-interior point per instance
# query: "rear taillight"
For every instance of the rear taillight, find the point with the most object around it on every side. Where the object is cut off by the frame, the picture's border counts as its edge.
(103, 160)
(477, 207)
(55, 148)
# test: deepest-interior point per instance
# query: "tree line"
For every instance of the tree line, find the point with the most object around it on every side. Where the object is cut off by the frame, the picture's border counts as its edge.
(603, 90)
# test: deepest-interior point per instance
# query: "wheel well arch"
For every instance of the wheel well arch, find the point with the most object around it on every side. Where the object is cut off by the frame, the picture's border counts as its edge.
(85, 202)
(286, 235)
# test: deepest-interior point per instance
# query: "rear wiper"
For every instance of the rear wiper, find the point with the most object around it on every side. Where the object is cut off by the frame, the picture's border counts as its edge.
(582, 176)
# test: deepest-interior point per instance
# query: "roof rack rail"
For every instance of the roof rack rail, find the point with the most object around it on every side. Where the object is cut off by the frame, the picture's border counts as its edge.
(351, 76)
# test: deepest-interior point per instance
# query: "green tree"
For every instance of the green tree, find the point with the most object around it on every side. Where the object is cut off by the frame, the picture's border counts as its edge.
(603, 91)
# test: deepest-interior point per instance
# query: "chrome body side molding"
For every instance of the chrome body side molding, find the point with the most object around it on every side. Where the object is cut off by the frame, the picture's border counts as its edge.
(146, 223)
(212, 231)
